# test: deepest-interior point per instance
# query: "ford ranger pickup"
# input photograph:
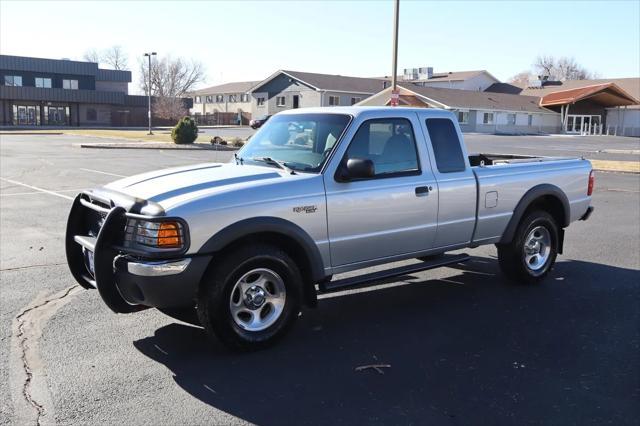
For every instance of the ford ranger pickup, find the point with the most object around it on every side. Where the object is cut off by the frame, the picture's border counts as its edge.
(240, 248)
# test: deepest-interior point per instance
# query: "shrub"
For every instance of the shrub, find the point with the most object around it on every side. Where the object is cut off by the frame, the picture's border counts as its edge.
(217, 140)
(237, 142)
(185, 131)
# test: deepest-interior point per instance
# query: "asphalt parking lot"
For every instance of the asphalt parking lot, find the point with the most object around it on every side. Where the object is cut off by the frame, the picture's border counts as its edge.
(463, 345)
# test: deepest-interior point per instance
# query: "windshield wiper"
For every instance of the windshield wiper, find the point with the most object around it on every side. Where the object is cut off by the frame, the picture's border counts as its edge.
(278, 163)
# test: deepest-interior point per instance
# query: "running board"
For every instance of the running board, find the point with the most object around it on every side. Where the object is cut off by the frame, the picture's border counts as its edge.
(374, 277)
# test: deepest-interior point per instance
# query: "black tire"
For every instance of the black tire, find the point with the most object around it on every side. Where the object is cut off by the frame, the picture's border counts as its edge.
(216, 289)
(512, 257)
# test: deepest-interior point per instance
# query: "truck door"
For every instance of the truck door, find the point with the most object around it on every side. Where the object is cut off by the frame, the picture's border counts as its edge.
(395, 211)
(456, 181)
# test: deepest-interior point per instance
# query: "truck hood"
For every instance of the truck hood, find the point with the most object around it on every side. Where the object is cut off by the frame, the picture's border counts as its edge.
(172, 186)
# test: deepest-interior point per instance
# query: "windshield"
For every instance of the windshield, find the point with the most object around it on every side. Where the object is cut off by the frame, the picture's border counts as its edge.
(301, 142)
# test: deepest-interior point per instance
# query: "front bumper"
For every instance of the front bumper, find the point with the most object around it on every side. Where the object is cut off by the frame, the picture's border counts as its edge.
(126, 283)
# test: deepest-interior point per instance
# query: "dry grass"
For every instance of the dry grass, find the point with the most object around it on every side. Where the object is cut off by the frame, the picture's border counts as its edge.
(616, 166)
(140, 135)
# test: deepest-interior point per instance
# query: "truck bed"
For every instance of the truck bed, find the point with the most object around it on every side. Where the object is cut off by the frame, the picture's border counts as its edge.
(504, 179)
(481, 160)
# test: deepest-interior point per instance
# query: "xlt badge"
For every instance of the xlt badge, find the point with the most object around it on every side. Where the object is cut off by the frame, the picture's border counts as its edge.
(305, 209)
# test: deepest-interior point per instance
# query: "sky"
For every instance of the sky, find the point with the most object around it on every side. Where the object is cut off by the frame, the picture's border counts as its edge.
(249, 40)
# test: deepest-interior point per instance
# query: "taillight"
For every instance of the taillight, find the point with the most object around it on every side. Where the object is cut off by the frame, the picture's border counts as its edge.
(592, 181)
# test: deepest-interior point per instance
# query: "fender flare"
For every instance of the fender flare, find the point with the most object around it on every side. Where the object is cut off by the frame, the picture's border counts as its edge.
(248, 227)
(529, 197)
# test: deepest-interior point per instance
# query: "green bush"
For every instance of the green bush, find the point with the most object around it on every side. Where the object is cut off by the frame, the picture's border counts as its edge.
(185, 132)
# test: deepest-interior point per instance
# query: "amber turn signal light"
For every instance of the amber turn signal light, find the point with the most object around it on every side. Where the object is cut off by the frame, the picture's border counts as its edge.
(169, 235)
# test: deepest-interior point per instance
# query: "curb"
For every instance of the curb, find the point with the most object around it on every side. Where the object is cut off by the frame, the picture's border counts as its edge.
(19, 133)
(167, 146)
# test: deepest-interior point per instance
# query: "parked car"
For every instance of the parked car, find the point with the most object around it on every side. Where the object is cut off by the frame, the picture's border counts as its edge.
(243, 245)
(258, 122)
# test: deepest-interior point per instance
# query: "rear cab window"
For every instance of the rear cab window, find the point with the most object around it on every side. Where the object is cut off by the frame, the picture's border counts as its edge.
(446, 145)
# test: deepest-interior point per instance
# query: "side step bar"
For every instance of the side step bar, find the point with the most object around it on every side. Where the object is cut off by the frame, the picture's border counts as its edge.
(374, 277)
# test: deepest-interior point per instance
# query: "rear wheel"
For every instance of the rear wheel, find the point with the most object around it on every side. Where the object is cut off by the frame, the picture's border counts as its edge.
(529, 257)
(251, 297)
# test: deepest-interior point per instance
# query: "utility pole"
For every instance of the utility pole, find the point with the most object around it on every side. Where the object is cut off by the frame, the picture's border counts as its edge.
(394, 71)
(149, 55)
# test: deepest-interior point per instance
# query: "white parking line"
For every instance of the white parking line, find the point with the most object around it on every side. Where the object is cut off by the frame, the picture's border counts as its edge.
(103, 173)
(35, 188)
(37, 192)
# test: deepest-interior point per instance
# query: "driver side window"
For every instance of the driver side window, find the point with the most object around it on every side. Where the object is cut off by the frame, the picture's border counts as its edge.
(389, 143)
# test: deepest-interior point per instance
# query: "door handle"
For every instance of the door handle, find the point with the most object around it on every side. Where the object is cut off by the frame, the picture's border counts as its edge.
(423, 190)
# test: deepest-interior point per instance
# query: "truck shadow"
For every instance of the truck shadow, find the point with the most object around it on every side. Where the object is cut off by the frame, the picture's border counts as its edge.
(467, 349)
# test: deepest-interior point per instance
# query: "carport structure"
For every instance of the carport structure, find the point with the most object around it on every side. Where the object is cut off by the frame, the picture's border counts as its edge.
(582, 109)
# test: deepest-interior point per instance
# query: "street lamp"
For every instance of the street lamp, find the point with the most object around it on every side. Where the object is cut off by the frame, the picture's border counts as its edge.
(149, 55)
(394, 71)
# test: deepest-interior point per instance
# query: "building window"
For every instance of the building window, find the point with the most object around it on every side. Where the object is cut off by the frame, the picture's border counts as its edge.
(232, 98)
(43, 82)
(12, 80)
(334, 100)
(26, 115)
(463, 117)
(244, 97)
(219, 99)
(280, 101)
(355, 100)
(92, 114)
(198, 100)
(70, 84)
(530, 122)
(260, 101)
(511, 119)
(487, 118)
(209, 99)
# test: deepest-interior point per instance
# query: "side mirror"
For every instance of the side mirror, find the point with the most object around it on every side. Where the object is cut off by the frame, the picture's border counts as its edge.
(358, 168)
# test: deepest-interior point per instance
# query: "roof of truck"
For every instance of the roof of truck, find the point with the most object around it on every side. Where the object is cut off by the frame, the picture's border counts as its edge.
(357, 110)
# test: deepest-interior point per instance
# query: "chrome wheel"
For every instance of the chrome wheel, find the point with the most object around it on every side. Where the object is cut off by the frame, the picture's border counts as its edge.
(537, 248)
(257, 299)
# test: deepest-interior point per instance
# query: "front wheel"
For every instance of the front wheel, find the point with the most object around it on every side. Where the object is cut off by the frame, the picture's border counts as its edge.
(531, 254)
(251, 297)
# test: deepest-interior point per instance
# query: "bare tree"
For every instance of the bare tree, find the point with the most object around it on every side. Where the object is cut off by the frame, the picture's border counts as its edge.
(171, 79)
(522, 78)
(92, 55)
(115, 57)
(169, 108)
(563, 68)
(545, 65)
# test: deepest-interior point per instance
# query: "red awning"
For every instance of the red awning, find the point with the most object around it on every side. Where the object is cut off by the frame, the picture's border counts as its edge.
(606, 94)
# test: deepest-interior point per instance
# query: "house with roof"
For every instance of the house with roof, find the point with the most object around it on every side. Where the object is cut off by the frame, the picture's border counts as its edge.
(293, 89)
(484, 112)
(609, 106)
(224, 98)
(478, 80)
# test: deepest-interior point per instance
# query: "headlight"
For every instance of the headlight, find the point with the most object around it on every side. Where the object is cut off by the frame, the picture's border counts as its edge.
(165, 234)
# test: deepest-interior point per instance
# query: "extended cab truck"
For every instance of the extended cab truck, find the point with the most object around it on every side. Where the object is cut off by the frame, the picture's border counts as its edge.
(317, 192)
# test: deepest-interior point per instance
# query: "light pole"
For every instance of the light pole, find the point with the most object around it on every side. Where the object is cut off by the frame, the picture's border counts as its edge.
(149, 55)
(394, 88)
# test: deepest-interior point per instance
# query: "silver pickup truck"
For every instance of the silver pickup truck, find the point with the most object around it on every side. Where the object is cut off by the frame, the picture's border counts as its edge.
(241, 247)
